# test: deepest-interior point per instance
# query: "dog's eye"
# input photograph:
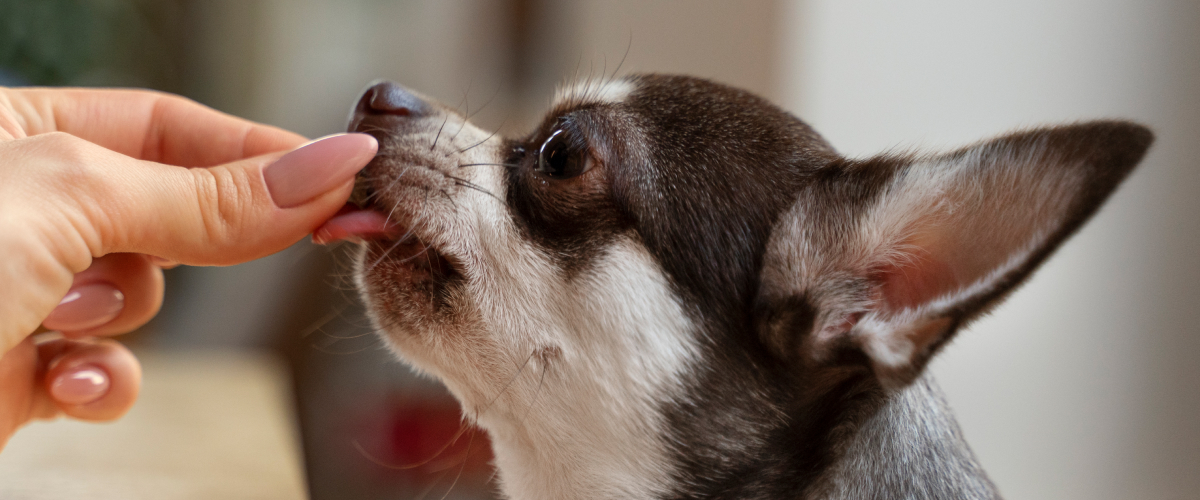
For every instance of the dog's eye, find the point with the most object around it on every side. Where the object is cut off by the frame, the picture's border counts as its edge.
(560, 158)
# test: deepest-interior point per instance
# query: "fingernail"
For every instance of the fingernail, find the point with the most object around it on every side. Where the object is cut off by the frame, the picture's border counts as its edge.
(81, 385)
(317, 167)
(86, 306)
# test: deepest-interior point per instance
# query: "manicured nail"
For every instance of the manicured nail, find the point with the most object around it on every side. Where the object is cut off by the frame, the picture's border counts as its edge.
(80, 385)
(85, 307)
(317, 167)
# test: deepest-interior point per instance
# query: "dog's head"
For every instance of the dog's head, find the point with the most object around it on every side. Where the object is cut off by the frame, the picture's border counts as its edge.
(670, 281)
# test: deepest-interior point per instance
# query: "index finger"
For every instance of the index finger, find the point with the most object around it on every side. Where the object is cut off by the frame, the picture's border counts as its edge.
(148, 125)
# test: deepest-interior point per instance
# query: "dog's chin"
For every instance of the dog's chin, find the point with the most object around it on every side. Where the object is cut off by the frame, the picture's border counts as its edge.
(406, 278)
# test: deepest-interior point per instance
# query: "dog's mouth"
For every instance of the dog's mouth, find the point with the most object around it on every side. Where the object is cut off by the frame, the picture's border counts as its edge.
(355, 224)
(398, 248)
(388, 241)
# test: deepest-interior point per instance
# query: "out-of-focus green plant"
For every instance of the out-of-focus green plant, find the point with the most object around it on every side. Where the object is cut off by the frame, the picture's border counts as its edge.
(87, 42)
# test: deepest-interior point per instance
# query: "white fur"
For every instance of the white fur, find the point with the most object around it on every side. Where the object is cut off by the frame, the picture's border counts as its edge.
(566, 375)
(592, 428)
(597, 91)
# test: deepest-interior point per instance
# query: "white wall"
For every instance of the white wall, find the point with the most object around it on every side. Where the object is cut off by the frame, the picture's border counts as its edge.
(1085, 384)
(734, 42)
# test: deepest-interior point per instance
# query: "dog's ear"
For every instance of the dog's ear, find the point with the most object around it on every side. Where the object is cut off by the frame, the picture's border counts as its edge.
(883, 260)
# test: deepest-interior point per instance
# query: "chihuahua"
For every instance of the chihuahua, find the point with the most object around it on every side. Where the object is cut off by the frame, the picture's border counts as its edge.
(672, 288)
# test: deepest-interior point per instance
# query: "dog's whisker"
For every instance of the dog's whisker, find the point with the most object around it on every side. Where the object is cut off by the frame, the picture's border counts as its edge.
(388, 188)
(367, 333)
(461, 466)
(439, 133)
(384, 255)
(485, 139)
(450, 199)
(392, 212)
(432, 484)
(485, 104)
(504, 388)
(326, 350)
(466, 112)
(411, 233)
(476, 187)
(454, 137)
(599, 81)
(462, 429)
(373, 128)
(324, 320)
(536, 393)
(361, 449)
(429, 262)
(507, 165)
(628, 45)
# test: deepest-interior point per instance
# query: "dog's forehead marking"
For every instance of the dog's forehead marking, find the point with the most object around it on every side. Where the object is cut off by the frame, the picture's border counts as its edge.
(594, 92)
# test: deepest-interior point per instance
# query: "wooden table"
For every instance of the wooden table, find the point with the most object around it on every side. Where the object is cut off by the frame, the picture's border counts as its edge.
(208, 425)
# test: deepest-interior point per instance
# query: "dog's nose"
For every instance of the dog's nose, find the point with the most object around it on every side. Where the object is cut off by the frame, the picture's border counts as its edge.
(389, 98)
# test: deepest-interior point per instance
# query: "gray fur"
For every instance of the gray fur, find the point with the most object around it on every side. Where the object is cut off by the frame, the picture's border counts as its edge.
(912, 448)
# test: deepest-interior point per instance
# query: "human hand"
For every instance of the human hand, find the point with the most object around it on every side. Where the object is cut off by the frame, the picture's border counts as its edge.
(93, 201)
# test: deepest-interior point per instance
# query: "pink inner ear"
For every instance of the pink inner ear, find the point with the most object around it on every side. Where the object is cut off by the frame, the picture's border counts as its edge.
(922, 276)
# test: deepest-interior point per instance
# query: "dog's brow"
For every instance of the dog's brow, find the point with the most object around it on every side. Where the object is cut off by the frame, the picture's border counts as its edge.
(593, 92)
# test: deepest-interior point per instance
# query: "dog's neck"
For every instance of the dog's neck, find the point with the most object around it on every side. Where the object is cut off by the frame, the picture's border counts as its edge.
(910, 448)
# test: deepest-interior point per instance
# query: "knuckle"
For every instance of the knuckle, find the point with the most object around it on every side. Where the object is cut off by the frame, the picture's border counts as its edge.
(225, 199)
(74, 160)
(64, 145)
(59, 180)
(70, 175)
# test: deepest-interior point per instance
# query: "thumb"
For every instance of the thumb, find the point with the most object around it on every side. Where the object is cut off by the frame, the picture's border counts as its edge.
(229, 213)
(65, 201)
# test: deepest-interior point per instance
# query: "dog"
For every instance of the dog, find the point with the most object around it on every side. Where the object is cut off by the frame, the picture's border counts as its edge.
(672, 288)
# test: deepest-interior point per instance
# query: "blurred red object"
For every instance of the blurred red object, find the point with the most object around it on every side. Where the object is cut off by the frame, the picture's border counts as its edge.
(433, 437)
(422, 442)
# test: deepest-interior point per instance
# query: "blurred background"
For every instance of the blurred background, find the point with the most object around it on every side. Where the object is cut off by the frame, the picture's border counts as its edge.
(1085, 384)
